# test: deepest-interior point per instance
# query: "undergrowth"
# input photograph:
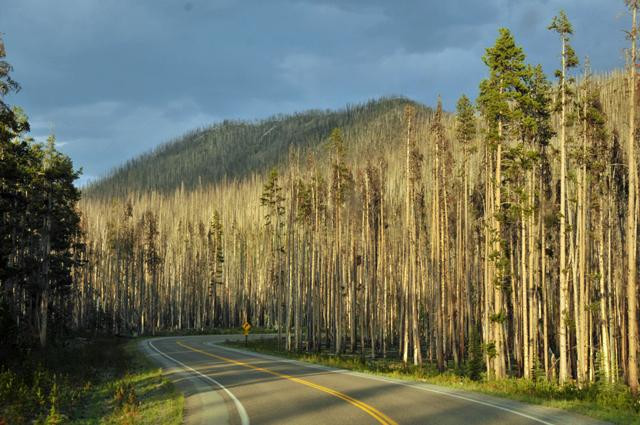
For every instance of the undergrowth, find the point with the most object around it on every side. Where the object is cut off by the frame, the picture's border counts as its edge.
(98, 381)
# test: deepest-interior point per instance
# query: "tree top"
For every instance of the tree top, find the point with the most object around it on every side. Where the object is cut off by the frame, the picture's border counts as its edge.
(561, 24)
(505, 56)
(632, 4)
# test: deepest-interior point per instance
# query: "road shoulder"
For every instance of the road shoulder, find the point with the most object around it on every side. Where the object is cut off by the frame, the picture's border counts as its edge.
(203, 405)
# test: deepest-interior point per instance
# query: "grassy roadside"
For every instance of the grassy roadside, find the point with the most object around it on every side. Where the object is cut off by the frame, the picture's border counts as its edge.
(140, 395)
(88, 382)
(611, 403)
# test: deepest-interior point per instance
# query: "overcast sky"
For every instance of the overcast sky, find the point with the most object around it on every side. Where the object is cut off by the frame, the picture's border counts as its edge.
(115, 78)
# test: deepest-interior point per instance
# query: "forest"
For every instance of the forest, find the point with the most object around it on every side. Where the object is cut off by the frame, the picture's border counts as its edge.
(502, 234)
(39, 229)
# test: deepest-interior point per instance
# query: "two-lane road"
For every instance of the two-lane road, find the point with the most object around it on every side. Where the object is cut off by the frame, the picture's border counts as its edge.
(228, 386)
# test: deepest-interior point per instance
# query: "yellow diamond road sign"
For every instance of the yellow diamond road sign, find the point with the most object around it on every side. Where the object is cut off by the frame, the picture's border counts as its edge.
(246, 326)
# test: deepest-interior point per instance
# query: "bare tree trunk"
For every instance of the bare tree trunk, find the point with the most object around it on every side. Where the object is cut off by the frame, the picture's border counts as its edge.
(564, 289)
(632, 283)
(44, 296)
(498, 325)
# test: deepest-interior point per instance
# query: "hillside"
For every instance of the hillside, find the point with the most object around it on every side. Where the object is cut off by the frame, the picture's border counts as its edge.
(234, 149)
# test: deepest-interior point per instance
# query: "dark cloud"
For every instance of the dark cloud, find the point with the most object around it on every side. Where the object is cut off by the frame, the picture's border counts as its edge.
(114, 78)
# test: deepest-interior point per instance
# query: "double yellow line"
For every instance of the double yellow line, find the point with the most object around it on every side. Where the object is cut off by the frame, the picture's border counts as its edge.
(372, 411)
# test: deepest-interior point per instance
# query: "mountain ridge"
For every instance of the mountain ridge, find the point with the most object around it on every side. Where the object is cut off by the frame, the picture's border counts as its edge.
(234, 149)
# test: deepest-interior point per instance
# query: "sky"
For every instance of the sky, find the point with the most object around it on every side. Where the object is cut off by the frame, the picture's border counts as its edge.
(115, 78)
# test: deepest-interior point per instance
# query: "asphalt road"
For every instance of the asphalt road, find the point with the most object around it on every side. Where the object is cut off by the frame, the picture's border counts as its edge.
(229, 386)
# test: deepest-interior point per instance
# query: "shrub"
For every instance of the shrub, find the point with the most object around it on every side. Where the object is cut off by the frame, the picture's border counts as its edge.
(125, 395)
(475, 364)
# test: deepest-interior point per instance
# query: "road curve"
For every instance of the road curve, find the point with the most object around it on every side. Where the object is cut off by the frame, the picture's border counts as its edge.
(228, 386)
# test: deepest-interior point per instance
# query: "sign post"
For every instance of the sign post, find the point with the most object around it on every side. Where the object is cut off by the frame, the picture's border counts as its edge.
(246, 327)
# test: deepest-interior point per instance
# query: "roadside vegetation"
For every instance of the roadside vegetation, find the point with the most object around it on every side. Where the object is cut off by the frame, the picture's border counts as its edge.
(600, 400)
(86, 382)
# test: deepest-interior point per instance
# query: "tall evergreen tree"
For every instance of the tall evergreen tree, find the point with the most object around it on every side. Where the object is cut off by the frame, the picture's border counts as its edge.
(10, 122)
(272, 199)
(562, 26)
(466, 130)
(497, 99)
(56, 207)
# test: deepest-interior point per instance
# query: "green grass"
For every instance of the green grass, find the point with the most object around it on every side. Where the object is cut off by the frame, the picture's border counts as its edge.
(612, 403)
(98, 381)
(140, 396)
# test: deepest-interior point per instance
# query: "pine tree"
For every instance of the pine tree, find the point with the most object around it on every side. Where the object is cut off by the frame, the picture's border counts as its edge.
(10, 122)
(273, 200)
(534, 128)
(466, 129)
(16, 158)
(562, 26)
(597, 171)
(498, 94)
(474, 356)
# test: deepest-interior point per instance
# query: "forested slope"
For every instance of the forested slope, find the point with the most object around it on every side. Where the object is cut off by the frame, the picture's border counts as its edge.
(503, 236)
(385, 239)
(233, 149)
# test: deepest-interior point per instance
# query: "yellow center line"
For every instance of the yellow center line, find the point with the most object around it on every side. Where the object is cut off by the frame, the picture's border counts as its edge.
(372, 411)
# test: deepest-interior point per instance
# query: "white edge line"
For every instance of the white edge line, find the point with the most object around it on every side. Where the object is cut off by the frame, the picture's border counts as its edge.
(377, 378)
(496, 406)
(244, 418)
